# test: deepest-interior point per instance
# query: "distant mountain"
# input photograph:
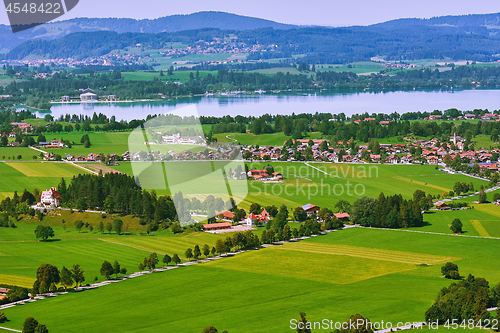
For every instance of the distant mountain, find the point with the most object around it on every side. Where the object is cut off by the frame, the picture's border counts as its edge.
(200, 20)
(472, 20)
(472, 37)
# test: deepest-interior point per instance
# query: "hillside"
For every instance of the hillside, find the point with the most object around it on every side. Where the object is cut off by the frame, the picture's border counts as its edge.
(173, 23)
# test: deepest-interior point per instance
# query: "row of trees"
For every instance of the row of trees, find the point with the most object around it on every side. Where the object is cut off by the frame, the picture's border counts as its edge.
(107, 269)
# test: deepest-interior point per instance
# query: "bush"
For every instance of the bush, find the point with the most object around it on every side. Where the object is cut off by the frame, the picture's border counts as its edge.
(454, 275)
(447, 268)
(3, 317)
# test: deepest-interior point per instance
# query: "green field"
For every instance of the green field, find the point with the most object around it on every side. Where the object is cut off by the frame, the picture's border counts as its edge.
(182, 76)
(12, 153)
(17, 176)
(275, 139)
(371, 272)
(362, 67)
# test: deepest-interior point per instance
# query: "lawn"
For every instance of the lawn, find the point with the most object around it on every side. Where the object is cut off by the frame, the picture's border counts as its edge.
(366, 271)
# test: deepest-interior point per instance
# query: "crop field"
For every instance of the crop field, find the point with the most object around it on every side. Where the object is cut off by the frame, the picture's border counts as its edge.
(17, 176)
(367, 271)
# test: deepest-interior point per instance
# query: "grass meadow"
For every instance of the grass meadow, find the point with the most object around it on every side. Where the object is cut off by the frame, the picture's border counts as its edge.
(377, 273)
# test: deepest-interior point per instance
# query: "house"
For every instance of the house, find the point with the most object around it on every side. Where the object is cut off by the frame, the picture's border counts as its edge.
(384, 122)
(470, 116)
(257, 174)
(311, 209)
(69, 157)
(442, 206)
(341, 216)
(217, 226)
(375, 158)
(3, 293)
(226, 215)
(24, 127)
(50, 198)
(254, 219)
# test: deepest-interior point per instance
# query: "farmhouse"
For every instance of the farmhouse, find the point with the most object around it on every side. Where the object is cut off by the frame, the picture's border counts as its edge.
(50, 198)
(311, 209)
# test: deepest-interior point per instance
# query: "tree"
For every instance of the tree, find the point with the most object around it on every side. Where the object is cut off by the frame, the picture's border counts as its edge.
(447, 268)
(456, 226)
(303, 326)
(106, 269)
(220, 246)
(209, 329)
(79, 225)
(66, 278)
(116, 269)
(151, 261)
(196, 252)
(47, 275)
(41, 328)
(286, 233)
(78, 275)
(117, 226)
(189, 253)
(101, 227)
(299, 214)
(255, 208)
(213, 251)
(496, 196)
(363, 211)
(176, 259)
(167, 259)
(44, 232)
(206, 250)
(482, 197)
(109, 227)
(3, 317)
(30, 325)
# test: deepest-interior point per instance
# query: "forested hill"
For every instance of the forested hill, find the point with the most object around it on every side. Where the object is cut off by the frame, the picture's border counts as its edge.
(173, 23)
(472, 20)
(472, 37)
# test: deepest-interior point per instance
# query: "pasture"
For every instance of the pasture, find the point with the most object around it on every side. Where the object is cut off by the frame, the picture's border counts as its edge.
(12, 154)
(366, 271)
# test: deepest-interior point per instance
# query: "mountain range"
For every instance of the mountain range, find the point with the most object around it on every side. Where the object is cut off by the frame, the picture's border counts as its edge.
(475, 35)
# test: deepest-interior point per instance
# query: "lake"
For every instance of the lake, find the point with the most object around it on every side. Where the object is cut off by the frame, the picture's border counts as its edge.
(288, 103)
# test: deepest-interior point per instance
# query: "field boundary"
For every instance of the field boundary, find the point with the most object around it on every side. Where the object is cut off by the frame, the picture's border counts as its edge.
(479, 228)
(370, 253)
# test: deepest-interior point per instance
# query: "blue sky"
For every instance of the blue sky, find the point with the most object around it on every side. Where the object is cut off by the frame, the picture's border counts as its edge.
(311, 12)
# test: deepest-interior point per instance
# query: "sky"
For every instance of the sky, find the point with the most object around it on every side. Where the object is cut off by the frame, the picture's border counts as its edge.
(311, 12)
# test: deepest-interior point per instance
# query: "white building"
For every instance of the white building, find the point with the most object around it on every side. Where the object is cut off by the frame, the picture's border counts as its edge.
(50, 198)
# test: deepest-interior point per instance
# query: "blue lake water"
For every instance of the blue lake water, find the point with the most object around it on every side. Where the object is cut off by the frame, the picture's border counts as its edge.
(288, 103)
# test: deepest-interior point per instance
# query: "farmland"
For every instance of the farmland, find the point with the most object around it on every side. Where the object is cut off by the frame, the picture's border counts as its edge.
(367, 271)
(17, 176)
